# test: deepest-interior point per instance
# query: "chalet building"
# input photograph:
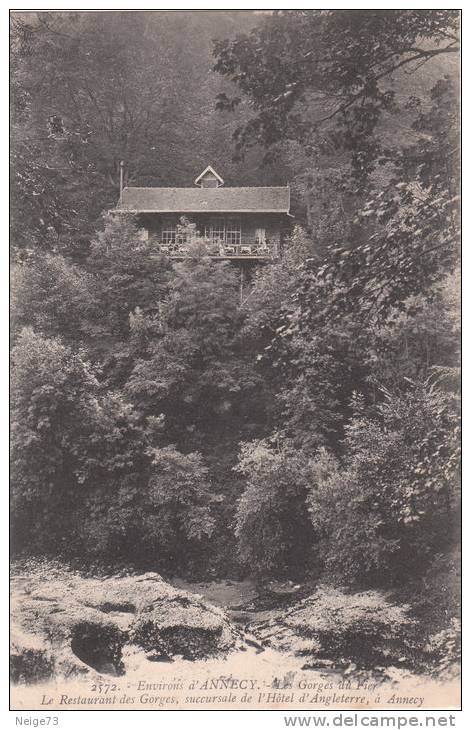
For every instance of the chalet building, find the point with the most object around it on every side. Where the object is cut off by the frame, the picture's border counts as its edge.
(243, 223)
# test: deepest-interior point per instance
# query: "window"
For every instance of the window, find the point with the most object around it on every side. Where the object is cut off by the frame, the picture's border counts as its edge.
(233, 232)
(217, 229)
(227, 231)
(168, 232)
(260, 236)
(209, 181)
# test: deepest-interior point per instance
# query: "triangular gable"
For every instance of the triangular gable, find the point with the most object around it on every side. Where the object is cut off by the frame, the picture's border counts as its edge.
(211, 171)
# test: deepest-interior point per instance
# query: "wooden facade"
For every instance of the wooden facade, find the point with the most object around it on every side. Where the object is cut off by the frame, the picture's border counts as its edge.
(245, 223)
(227, 236)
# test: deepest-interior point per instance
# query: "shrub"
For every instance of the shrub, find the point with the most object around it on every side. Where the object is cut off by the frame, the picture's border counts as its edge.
(444, 651)
(179, 499)
(392, 508)
(272, 521)
(162, 519)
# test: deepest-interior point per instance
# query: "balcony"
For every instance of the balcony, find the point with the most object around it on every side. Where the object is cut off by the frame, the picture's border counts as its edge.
(246, 248)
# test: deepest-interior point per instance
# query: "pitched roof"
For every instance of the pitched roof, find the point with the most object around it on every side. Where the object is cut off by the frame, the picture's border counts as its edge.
(202, 200)
(209, 171)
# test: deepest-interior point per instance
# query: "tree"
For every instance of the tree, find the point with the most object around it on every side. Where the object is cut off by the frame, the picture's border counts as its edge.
(179, 499)
(391, 506)
(90, 90)
(128, 273)
(386, 267)
(304, 69)
(338, 370)
(272, 525)
(324, 91)
(69, 436)
(194, 370)
(54, 296)
(164, 518)
(271, 288)
(327, 346)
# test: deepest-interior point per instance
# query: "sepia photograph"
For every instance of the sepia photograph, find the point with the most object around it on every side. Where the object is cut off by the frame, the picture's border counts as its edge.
(235, 380)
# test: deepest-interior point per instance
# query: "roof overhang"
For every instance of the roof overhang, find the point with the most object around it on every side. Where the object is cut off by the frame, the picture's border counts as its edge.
(222, 200)
(198, 210)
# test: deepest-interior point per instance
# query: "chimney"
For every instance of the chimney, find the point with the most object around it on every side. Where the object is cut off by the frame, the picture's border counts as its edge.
(121, 179)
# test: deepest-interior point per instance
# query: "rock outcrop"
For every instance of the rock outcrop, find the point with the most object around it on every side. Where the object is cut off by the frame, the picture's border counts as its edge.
(334, 628)
(64, 623)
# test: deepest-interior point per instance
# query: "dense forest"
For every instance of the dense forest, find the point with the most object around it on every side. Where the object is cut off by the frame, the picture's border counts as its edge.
(157, 421)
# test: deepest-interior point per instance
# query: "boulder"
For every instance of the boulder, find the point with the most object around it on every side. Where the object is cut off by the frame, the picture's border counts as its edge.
(181, 626)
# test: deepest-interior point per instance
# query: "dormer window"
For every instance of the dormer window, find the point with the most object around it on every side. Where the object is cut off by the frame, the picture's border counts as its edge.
(209, 182)
(209, 179)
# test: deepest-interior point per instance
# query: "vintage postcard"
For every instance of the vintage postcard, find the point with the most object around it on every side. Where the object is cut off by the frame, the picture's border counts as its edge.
(235, 374)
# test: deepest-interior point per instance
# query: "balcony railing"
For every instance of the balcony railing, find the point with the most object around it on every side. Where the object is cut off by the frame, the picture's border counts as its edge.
(247, 248)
